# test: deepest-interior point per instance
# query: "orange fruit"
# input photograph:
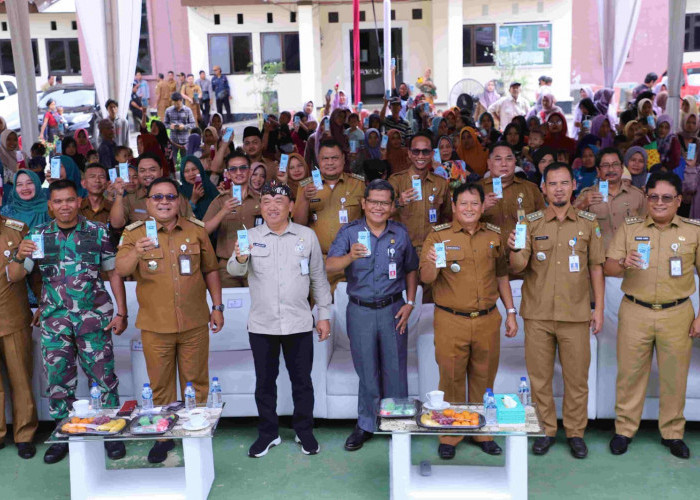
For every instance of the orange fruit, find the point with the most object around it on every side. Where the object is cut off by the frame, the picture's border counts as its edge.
(449, 412)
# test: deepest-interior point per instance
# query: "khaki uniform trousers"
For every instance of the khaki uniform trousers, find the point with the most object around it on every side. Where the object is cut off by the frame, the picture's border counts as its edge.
(16, 351)
(187, 351)
(228, 281)
(641, 330)
(466, 351)
(542, 338)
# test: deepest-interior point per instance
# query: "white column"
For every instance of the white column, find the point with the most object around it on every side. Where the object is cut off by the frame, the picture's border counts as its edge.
(676, 31)
(309, 52)
(18, 19)
(447, 45)
(387, 45)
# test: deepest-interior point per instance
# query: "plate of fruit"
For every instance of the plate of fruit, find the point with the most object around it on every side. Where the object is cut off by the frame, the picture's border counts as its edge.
(93, 426)
(450, 418)
(153, 424)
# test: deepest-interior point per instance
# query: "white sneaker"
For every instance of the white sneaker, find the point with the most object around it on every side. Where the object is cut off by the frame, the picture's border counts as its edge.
(261, 446)
(309, 442)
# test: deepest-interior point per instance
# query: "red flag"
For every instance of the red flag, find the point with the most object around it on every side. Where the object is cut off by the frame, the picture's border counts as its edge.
(356, 49)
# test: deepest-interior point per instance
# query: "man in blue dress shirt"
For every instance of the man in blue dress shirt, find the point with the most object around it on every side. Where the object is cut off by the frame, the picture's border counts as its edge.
(380, 263)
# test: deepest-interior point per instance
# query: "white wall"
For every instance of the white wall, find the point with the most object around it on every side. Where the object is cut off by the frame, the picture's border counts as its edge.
(40, 29)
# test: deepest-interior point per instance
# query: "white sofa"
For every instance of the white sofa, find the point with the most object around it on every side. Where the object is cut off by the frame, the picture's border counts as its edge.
(511, 365)
(342, 380)
(607, 363)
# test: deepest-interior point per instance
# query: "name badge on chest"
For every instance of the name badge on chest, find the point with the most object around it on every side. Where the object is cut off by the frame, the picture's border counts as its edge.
(675, 262)
(574, 264)
(185, 262)
(304, 266)
(432, 215)
(392, 264)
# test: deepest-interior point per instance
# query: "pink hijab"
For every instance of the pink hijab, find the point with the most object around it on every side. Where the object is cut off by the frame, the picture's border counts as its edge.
(83, 150)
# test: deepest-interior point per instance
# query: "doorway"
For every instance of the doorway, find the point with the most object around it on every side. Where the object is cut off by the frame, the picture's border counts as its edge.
(371, 59)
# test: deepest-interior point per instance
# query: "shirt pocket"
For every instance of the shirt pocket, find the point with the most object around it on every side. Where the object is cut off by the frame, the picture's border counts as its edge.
(152, 263)
(193, 250)
(541, 248)
(582, 244)
(687, 254)
(454, 255)
(261, 258)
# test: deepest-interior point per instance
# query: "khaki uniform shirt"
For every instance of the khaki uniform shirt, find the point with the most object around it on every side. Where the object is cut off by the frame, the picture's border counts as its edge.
(247, 214)
(655, 285)
(481, 259)
(169, 301)
(416, 215)
(551, 292)
(14, 304)
(134, 205)
(324, 209)
(504, 213)
(279, 284)
(102, 214)
(189, 91)
(628, 202)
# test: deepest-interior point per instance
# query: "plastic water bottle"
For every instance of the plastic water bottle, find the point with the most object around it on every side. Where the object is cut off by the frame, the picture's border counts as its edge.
(95, 397)
(490, 409)
(147, 397)
(215, 393)
(190, 397)
(524, 392)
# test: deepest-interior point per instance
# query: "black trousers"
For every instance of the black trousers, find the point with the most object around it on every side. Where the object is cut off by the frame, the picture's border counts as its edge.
(220, 105)
(298, 357)
(205, 107)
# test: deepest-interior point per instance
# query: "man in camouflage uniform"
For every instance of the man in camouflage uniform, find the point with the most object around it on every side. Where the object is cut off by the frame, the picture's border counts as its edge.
(75, 310)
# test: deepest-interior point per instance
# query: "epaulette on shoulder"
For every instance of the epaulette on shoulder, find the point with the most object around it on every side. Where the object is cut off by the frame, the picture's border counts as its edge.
(493, 228)
(133, 226)
(358, 177)
(305, 182)
(440, 227)
(586, 215)
(534, 216)
(634, 220)
(694, 222)
(196, 221)
(17, 225)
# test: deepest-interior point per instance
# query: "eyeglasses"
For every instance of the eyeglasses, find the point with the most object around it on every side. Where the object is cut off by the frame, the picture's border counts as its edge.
(161, 197)
(237, 169)
(555, 122)
(615, 164)
(665, 199)
(421, 152)
(378, 203)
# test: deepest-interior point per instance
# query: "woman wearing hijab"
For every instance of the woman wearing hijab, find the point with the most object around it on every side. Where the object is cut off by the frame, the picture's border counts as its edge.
(601, 128)
(150, 144)
(687, 131)
(689, 105)
(69, 147)
(216, 121)
(396, 154)
(585, 93)
(584, 165)
(636, 162)
(515, 138)
(71, 172)
(8, 155)
(602, 99)
(556, 136)
(487, 129)
(451, 168)
(540, 159)
(159, 131)
(27, 201)
(369, 151)
(488, 97)
(660, 102)
(200, 192)
(194, 145)
(471, 152)
(297, 171)
(667, 143)
(82, 141)
(257, 177)
(308, 110)
(438, 127)
(341, 101)
(546, 105)
(313, 144)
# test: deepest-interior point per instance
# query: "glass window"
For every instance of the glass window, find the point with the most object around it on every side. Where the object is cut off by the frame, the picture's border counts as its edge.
(231, 52)
(63, 56)
(271, 48)
(69, 98)
(219, 54)
(11, 89)
(281, 47)
(692, 33)
(477, 44)
(241, 53)
(143, 59)
(291, 52)
(7, 60)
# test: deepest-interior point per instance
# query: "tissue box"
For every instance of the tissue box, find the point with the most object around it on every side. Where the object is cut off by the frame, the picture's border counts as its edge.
(515, 415)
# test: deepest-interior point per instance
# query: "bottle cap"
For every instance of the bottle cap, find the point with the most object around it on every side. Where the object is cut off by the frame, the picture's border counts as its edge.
(216, 378)
(146, 384)
(189, 383)
(523, 378)
(489, 389)
(94, 384)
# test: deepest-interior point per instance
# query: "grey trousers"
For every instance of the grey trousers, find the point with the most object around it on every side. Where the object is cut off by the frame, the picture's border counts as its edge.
(379, 355)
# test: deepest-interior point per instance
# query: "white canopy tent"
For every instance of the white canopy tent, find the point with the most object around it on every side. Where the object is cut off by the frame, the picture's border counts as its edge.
(111, 33)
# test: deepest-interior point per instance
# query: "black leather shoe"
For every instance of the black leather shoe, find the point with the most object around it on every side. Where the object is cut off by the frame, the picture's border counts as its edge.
(578, 447)
(446, 451)
(358, 437)
(619, 443)
(115, 449)
(542, 445)
(56, 453)
(160, 450)
(678, 447)
(26, 450)
(490, 447)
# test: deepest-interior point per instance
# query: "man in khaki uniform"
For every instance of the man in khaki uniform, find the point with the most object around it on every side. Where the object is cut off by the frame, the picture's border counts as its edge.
(172, 279)
(326, 210)
(192, 93)
(16, 344)
(164, 90)
(562, 259)
(435, 206)
(467, 324)
(520, 196)
(95, 206)
(624, 200)
(132, 207)
(228, 215)
(655, 312)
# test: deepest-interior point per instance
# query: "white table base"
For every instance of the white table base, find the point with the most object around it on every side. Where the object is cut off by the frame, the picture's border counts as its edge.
(90, 479)
(458, 481)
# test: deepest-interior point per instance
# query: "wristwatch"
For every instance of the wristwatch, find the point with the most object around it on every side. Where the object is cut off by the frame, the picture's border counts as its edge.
(410, 303)
(512, 310)
(219, 308)
(15, 259)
